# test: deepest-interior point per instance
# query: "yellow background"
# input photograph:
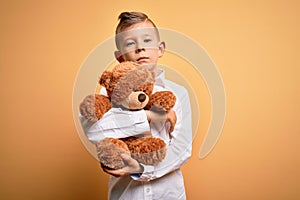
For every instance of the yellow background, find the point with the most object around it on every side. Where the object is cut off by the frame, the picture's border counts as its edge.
(255, 45)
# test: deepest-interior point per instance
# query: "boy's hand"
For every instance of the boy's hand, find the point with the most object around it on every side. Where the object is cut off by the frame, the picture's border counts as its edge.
(132, 167)
(172, 118)
(169, 116)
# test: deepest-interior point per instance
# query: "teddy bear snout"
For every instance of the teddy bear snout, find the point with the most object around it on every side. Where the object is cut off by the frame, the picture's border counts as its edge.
(142, 97)
(136, 100)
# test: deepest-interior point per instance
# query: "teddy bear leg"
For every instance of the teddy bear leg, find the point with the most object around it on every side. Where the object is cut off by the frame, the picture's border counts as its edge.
(148, 151)
(109, 152)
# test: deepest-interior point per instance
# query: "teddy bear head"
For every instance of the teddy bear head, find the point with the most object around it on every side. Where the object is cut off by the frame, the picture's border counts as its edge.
(128, 85)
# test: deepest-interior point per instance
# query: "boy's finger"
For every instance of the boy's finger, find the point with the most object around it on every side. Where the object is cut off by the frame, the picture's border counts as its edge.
(128, 159)
(115, 173)
(172, 125)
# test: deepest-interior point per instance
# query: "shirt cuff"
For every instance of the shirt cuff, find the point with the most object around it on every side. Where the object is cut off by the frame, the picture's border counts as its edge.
(147, 174)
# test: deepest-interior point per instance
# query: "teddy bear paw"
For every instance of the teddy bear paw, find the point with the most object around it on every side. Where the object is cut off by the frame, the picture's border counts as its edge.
(161, 101)
(94, 106)
(109, 152)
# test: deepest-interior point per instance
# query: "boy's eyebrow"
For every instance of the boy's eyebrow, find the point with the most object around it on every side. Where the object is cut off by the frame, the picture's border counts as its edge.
(130, 37)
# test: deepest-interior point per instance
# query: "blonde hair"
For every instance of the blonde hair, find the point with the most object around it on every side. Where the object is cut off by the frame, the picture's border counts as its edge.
(127, 19)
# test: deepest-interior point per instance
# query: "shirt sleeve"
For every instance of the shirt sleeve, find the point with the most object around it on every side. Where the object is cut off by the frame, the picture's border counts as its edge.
(116, 123)
(180, 146)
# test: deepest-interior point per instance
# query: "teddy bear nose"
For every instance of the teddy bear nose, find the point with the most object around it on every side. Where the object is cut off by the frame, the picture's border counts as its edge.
(142, 97)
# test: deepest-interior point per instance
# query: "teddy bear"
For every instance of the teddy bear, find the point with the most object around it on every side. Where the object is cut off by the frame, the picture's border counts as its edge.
(129, 86)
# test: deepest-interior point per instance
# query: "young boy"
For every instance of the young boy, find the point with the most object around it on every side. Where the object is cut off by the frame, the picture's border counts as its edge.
(137, 39)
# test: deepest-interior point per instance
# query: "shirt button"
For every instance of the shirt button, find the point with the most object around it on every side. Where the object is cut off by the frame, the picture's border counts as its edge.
(148, 190)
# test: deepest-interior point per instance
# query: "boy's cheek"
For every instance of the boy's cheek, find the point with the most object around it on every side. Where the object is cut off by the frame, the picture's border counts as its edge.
(128, 57)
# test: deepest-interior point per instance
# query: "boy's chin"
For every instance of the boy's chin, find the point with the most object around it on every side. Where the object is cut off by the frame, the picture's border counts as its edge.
(150, 66)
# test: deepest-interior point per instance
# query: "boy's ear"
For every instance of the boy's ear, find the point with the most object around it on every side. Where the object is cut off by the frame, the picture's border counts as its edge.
(161, 48)
(119, 57)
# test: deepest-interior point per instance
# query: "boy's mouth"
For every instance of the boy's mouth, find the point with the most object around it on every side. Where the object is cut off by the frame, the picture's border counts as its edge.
(142, 59)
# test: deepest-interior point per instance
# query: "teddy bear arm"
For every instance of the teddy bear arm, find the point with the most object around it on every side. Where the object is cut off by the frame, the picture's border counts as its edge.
(94, 106)
(161, 101)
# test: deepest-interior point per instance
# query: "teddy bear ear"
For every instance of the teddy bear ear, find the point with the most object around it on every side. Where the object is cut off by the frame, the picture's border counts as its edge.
(105, 78)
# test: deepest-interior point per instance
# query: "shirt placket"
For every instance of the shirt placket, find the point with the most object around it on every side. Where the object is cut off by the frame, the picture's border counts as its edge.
(147, 191)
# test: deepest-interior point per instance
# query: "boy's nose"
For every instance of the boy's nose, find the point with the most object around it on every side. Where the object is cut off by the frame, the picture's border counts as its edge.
(139, 50)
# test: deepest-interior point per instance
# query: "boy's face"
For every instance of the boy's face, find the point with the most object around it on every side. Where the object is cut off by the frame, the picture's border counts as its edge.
(140, 43)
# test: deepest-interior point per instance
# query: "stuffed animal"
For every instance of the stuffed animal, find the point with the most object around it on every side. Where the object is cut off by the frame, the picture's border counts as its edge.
(129, 86)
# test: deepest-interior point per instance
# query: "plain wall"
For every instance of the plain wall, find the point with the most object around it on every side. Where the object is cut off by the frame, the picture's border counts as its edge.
(255, 45)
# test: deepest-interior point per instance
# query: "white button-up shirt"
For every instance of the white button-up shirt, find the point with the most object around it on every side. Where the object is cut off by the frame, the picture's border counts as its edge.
(164, 180)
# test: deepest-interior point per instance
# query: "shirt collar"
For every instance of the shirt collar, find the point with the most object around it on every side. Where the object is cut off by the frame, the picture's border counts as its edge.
(160, 77)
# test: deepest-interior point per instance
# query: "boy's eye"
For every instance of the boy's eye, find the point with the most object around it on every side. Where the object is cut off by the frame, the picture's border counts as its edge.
(128, 44)
(147, 40)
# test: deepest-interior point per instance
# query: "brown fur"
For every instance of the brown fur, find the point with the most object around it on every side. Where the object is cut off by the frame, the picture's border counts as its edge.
(120, 82)
(164, 100)
(134, 80)
(109, 151)
(93, 107)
